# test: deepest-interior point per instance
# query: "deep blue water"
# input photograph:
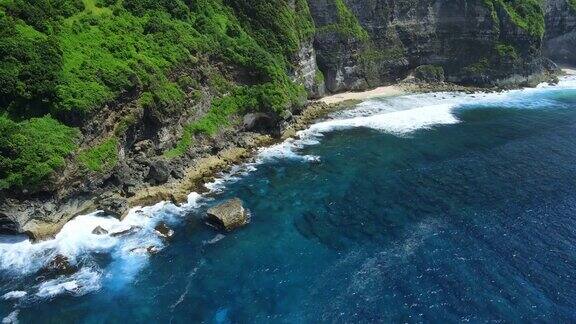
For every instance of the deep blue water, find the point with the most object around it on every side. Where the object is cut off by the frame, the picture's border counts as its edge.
(469, 221)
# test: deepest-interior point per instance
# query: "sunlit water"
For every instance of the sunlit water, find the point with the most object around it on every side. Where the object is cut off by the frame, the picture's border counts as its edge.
(435, 207)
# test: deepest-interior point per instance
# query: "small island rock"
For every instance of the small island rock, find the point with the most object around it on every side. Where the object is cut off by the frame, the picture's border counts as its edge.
(229, 215)
(98, 230)
(58, 266)
(164, 231)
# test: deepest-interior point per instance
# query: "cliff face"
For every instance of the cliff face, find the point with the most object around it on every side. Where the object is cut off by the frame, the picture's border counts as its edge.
(474, 41)
(560, 38)
(197, 75)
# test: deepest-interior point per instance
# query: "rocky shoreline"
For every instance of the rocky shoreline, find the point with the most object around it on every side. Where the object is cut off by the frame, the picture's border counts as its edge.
(237, 148)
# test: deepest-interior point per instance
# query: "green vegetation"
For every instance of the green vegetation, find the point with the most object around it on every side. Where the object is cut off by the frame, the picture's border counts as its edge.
(347, 25)
(572, 4)
(526, 14)
(65, 59)
(318, 77)
(274, 24)
(478, 68)
(102, 157)
(31, 150)
(506, 51)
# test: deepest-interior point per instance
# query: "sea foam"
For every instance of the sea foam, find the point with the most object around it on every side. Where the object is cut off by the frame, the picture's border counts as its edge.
(20, 257)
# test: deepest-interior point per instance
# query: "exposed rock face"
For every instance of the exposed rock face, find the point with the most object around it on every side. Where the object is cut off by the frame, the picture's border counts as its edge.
(260, 122)
(229, 215)
(429, 73)
(307, 71)
(112, 204)
(164, 231)
(99, 231)
(7, 226)
(471, 41)
(159, 172)
(560, 38)
(128, 231)
(58, 266)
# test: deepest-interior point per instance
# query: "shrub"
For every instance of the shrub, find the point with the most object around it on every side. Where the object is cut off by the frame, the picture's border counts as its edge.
(31, 150)
(506, 51)
(100, 158)
(526, 14)
(29, 66)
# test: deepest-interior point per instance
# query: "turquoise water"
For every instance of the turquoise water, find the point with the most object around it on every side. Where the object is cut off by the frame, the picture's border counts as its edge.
(424, 208)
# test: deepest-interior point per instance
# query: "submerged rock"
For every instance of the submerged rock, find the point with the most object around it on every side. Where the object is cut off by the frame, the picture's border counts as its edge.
(58, 266)
(229, 215)
(164, 231)
(152, 249)
(129, 231)
(99, 231)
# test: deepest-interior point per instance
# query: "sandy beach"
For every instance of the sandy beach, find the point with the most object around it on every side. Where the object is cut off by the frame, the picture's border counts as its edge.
(378, 92)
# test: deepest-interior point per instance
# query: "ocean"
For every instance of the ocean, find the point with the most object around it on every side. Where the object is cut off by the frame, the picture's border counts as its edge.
(439, 207)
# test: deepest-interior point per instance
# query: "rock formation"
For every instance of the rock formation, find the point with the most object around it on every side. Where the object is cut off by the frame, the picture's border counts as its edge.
(229, 215)
(560, 37)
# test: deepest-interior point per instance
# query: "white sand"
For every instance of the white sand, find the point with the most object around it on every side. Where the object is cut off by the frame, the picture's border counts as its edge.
(378, 92)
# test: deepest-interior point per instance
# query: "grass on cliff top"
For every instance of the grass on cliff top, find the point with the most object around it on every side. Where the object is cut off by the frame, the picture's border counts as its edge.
(99, 49)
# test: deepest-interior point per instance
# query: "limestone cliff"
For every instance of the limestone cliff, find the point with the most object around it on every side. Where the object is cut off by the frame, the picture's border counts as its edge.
(560, 38)
(237, 58)
(363, 43)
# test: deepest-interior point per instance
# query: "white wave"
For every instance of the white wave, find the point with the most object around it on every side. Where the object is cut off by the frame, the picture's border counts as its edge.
(403, 115)
(398, 122)
(287, 150)
(12, 318)
(215, 239)
(76, 242)
(17, 294)
(80, 283)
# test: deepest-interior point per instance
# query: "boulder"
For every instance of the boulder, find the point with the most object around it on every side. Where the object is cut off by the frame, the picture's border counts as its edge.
(7, 225)
(129, 231)
(99, 231)
(164, 231)
(229, 215)
(159, 172)
(58, 266)
(149, 250)
(112, 204)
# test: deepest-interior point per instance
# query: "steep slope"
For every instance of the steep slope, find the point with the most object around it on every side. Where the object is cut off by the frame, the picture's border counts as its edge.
(101, 100)
(131, 91)
(560, 38)
(362, 43)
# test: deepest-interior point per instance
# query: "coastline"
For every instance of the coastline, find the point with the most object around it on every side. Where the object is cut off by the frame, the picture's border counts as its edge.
(207, 167)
